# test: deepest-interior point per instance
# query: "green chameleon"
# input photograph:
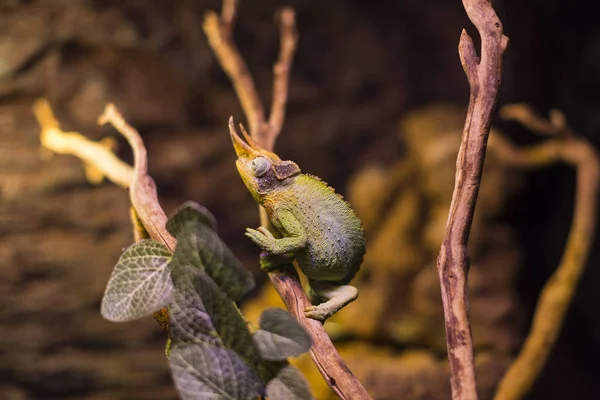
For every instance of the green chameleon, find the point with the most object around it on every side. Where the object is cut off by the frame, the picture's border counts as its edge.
(318, 228)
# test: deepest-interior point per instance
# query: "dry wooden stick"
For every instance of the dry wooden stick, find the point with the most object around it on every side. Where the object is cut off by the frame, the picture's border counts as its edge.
(524, 114)
(218, 30)
(281, 71)
(142, 190)
(484, 78)
(147, 217)
(98, 157)
(559, 290)
(286, 281)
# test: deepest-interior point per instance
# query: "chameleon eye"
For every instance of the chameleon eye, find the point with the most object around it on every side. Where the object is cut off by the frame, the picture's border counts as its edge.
(260, 166)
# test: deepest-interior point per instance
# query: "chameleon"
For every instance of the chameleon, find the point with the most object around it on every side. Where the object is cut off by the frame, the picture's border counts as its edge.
(317, 226)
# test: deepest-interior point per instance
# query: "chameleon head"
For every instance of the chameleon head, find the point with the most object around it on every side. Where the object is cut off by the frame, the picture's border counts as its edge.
(261, 170)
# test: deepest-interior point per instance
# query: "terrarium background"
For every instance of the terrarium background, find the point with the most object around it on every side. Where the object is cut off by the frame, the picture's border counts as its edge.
(360, 68)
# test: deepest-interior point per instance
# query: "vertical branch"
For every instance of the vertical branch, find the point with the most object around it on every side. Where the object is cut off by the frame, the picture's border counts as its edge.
(285, 279)
(219, 31)
(484, 76)
(281, 71)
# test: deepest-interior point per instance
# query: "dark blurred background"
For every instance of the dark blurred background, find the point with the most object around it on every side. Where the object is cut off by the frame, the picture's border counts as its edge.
(360, 69)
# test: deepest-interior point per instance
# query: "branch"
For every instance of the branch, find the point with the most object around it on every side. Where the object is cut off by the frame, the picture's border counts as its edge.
(142, 190)
(524, 114)
(559, 290)
(285, 280)
(281, 70)
(484, 78)
(98, 157)
(219, 33)
(100, 162)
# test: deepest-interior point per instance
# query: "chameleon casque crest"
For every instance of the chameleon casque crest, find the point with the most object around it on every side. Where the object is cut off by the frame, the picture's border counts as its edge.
(317, 226)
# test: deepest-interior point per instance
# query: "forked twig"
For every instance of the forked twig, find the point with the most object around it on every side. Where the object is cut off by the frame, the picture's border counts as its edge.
(484, 78)
(285, 280)
(281, 71)
(147, 217)
(99, 159)
(558, 292)
(142, 190)
(219, 31)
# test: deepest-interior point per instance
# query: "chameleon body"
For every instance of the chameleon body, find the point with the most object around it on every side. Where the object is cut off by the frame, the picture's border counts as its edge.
(318, 228)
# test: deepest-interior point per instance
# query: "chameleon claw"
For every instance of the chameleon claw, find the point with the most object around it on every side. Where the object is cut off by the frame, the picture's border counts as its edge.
(266, 232)
(253, 233)
(259, 238)
(318, 313)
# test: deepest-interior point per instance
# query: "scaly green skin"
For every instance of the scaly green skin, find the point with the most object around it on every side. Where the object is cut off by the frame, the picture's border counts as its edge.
(316, 224)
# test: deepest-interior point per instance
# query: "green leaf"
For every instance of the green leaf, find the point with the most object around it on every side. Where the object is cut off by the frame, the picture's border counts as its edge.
(198, 245)
(280, 336)
(289, 384)
(140, 283)
(202, 371)
(190, 211)
(201, 311)
(188, 320)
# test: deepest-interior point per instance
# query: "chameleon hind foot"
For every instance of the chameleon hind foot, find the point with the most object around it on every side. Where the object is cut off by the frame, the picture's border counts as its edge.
(336, 297)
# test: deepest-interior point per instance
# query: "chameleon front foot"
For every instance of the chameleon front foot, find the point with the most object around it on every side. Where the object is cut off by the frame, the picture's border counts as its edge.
(262, 237)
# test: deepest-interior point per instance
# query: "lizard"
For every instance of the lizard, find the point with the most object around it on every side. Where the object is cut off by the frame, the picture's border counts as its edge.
(318, 227)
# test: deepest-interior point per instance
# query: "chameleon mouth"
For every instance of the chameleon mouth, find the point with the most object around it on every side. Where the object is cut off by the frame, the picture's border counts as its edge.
(242, 171)
(251, 183)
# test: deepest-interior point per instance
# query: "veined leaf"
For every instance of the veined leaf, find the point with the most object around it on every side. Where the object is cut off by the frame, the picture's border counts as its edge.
(203, 371)
(201, 311)
(140, 283)
(280, 336)
(190, 211)
(198, 245)
(188, 319)
(289, 384)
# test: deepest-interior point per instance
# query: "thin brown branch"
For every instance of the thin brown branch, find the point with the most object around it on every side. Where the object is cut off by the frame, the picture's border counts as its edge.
(323, 353)
(142, 190)
(139, 231)
(219, 33)
(285, 280)
(525, 115)
(96, 156)
(281, 71)
(228, 14)
(99, 158)
(484, 76)
(559, 290)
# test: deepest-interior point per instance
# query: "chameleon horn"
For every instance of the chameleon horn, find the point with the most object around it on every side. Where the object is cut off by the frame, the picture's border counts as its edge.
(249, 139)
(257, 148)
(241, 147)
